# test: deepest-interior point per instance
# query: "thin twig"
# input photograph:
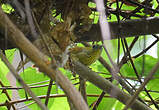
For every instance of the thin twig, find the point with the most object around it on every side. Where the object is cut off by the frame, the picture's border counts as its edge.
(147, 79)
(26, 105)
(143, 6)
(137, 74)
(17, 88)
(5, 91)
(99, 100)
(146, 49)
(43, 97)
(48, 92)
(126, 53)
(20, 80)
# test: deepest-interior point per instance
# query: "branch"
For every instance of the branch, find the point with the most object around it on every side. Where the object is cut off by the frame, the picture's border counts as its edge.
(6, 92)
(146, 80)
(127, 28)
(16, 36)
(21, 81)
(107, 86)
(43, 97)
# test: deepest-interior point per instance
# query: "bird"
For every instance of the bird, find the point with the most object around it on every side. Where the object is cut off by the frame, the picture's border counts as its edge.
(86, 55)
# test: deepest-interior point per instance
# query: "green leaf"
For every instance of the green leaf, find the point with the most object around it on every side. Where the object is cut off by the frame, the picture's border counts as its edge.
(7, 8)
(91, 89)
(3, 97)
(3, 108)
(60, 104)
(66, 72)
(3, 75)
(107, 104)
(118, 105)
(153, 85)
(10, 55)
(30, 76)
(150, 61)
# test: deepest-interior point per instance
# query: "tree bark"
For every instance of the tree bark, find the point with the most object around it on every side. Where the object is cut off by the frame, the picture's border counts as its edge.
(128, 28)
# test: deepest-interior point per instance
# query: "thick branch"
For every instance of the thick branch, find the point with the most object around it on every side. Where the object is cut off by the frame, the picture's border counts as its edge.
(107, 86)
(16, 36)
(127, 28)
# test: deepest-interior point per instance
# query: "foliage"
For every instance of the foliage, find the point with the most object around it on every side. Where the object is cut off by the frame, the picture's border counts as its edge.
(145, 61)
